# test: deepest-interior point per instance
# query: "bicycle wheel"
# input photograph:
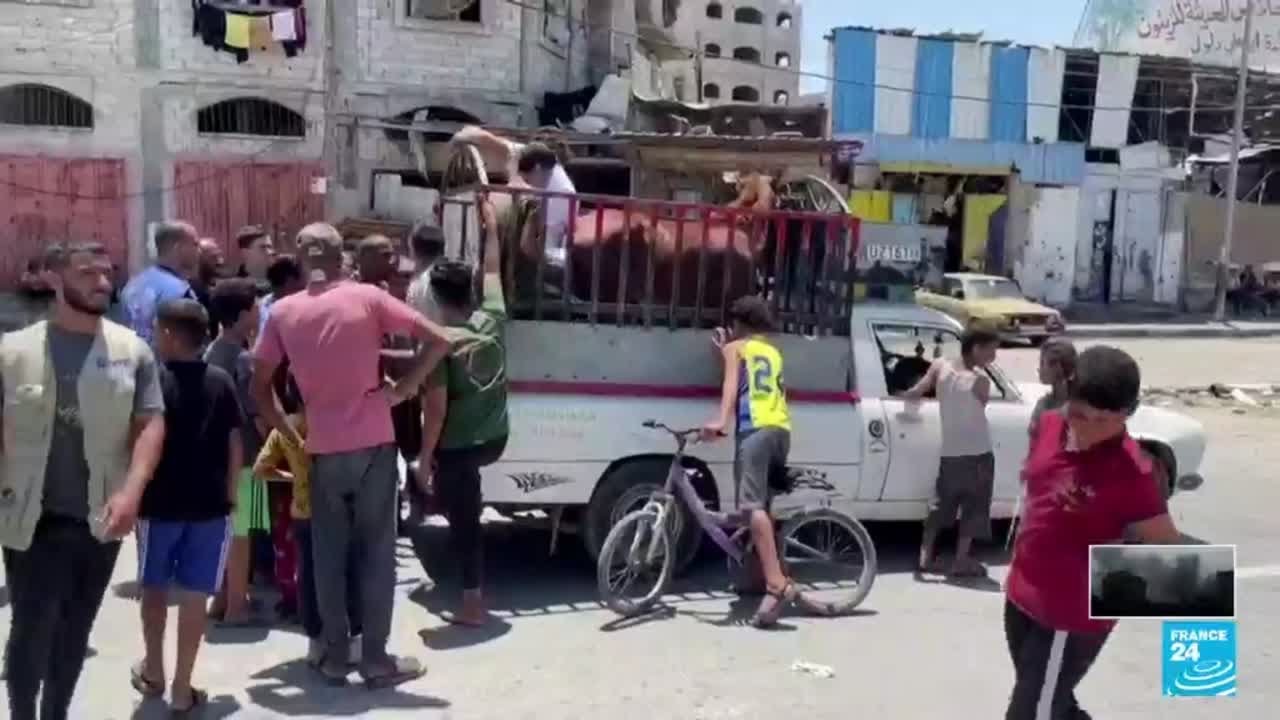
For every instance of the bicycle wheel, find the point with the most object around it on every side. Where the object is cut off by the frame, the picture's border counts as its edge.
(635, 563)
(831, 558)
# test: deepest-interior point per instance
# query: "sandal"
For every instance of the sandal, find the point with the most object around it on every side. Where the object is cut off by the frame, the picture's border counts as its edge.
(454, 618)
(401, 670)
(767, 617)
(199, 698)
(144, 685)
(968, 569)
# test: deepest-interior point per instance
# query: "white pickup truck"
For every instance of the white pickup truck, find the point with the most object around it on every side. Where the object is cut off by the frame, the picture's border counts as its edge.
(578, 453)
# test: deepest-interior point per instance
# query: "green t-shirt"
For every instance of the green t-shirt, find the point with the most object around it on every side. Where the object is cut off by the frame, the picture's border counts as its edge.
(474, 374)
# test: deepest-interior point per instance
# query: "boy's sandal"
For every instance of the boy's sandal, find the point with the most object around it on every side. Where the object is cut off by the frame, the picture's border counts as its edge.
(400, 671)
(143, 684)
(773, 605)
(199, 698)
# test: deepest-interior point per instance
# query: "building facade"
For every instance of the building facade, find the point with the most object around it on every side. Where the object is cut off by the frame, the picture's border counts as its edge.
(115, 114)
(750, 52)
(1050, 166)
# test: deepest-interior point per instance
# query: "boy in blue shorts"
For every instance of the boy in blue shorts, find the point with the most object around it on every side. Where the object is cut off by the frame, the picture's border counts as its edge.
(183, 525)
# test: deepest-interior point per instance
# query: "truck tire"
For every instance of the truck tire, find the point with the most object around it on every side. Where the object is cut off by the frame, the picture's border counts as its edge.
(625, 489)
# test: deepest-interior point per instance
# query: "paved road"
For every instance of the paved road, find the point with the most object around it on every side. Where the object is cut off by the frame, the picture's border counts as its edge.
(920, 651)
(1168, 362)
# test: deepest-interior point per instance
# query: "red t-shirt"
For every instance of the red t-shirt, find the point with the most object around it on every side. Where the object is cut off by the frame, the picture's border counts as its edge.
(1074, 499)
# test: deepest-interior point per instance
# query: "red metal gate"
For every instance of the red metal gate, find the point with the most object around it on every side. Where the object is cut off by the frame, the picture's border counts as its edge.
(220, 198)
(44, 200)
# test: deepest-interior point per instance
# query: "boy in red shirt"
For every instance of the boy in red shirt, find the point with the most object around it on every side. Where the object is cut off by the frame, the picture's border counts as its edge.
(1086, 482)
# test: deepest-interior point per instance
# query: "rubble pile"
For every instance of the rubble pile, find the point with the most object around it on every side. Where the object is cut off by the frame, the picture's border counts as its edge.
(1239, 398)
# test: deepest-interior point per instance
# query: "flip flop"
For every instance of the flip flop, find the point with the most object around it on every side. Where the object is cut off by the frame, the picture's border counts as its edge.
(199, 698)
(143, 684)
(971, 569)
(454, 618)
(767, 617)
(402, 670)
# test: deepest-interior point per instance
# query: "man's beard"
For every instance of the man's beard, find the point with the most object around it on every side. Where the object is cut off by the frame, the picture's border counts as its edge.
(80, 303)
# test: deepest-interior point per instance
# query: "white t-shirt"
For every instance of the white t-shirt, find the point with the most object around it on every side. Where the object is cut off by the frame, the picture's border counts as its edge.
(556, 210)
(422, 298)
(965, 430)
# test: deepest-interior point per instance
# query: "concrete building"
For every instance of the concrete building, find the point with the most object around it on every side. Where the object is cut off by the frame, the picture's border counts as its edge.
(114, 114)
(751, 51)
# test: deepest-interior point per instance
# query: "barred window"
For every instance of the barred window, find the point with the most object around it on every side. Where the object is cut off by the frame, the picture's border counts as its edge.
(746, 93)
(45, 106)
(460, 10)
(250, 116)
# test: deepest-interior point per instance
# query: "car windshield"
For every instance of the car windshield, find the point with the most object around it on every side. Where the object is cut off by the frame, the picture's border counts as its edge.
(992, 289)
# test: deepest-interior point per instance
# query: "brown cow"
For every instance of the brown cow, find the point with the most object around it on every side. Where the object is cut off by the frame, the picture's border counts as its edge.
(627, 239)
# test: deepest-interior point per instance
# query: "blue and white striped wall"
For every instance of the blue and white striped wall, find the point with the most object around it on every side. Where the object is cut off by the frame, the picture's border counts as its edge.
(934, 89)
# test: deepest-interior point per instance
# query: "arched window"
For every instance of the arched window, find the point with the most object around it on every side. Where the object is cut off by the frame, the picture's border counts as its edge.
(711, 91)
(746, 93)
(784, 20)
(250, 116)
(715, 10)
(782, 60)
(749, 54)
(748, 16)
(42, 105)
(780, 97)
(713, 50)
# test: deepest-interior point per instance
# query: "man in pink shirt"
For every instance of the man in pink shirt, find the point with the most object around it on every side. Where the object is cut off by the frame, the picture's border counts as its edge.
(331, 333)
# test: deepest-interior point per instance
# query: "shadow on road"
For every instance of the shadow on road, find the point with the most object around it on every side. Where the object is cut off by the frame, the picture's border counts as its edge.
(294, 689)
(523, 580)
(219, 706)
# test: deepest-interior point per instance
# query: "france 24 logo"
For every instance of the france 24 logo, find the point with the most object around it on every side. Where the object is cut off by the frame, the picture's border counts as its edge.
(1199, 659)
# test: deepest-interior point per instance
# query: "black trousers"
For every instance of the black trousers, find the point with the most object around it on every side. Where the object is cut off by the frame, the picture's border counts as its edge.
(1048, 665)
(457, 487)
(55, 587)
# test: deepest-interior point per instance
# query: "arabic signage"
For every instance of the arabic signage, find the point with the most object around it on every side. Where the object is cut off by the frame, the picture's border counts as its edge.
(1205, 31)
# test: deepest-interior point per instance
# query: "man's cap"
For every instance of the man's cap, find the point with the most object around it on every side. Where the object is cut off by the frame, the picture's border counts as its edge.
(319, 240)
(251, 232)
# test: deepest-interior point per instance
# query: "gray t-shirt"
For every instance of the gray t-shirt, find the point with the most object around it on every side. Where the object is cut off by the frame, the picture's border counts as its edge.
(66, 475)
(238, 363)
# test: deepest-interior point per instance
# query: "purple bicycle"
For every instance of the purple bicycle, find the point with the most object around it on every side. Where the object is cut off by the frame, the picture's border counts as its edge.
(828, 555)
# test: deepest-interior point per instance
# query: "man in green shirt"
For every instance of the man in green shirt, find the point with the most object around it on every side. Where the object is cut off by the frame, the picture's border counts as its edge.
(465, 407)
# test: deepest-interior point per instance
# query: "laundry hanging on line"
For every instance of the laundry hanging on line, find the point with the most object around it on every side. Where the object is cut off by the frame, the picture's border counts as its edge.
(242, 33)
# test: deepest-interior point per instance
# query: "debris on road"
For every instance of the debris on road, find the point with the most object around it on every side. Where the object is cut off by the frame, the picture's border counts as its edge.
(1240, 398)
(814, 669)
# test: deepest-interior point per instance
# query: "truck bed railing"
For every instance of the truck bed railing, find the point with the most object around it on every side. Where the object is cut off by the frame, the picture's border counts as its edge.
(629, 261)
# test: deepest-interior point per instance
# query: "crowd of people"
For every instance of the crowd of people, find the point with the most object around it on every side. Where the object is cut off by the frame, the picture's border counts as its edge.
(275, 401)
(278, 401)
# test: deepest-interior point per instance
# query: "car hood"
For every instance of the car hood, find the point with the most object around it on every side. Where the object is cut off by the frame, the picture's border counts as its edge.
(1008, 306)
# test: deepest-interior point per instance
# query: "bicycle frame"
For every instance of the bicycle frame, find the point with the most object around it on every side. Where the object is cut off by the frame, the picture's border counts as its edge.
(662, 503)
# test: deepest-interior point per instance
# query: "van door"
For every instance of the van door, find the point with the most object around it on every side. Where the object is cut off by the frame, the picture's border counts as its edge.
(914, 429)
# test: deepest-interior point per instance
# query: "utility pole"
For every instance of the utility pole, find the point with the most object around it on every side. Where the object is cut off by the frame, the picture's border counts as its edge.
(697, 65)
(332, 132)
(1233, 180)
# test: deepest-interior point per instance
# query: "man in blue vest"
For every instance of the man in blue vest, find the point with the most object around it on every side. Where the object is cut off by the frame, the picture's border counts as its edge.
(83, 426)
(177, 261)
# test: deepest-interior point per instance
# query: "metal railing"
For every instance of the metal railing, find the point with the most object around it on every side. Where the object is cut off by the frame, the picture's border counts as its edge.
(630, 261)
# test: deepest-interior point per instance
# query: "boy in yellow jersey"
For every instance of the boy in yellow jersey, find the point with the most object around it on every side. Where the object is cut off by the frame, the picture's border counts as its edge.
(754, 393)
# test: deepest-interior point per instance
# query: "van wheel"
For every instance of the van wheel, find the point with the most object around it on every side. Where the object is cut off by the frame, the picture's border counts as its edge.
(625, 489)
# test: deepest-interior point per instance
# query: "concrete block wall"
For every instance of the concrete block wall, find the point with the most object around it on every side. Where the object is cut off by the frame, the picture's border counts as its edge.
(61, 35)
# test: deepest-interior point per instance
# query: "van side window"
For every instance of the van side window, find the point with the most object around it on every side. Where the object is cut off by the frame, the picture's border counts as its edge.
(907, 351)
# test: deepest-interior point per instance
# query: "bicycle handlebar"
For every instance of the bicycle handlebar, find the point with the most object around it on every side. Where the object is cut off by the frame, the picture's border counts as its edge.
(678, 434)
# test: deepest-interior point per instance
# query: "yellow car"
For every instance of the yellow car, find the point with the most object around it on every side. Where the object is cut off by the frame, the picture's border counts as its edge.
(994, 301)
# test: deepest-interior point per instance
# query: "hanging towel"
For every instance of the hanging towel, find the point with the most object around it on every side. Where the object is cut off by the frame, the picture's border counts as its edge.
(283, 26)
(237, 31)
(260, 32)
